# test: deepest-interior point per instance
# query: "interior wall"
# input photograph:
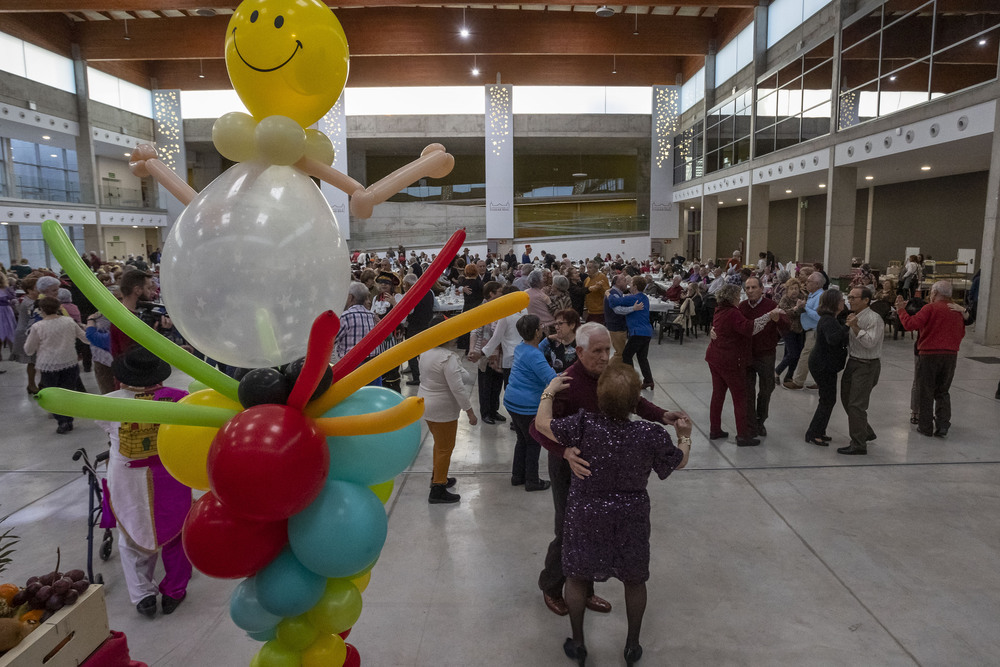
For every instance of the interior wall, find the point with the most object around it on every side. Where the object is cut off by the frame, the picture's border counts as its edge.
(731, 230)
(781, 216)
(134, 240)
(938, 215)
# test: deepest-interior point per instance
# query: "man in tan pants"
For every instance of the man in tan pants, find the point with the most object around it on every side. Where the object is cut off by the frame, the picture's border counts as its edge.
(614, 322)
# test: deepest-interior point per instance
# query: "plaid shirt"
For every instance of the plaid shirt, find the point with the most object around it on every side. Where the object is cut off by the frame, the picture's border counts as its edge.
(355, 323)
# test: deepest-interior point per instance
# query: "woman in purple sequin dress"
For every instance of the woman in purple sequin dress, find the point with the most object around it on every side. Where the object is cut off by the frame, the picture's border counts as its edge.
(606, 529)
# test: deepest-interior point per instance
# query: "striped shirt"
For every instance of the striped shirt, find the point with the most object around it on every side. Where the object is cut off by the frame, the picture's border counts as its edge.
(867, 343)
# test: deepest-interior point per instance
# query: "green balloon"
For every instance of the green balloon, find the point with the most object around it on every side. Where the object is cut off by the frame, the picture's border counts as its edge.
(297, 633)
(196, 386)
(339, 608)
(92, 406)
(276, 654)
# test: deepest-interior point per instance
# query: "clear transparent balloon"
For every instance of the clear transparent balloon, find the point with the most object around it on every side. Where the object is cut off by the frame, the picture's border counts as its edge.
(251, 262)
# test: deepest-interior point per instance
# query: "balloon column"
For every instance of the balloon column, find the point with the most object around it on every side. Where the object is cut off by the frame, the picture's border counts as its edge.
(297, 458)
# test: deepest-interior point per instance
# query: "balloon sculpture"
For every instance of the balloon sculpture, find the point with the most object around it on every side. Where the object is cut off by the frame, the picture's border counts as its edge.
(296, 461)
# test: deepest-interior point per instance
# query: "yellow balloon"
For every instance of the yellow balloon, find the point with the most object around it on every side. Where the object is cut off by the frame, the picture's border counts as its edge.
(286, 58)
(233, 136)
(327, 651)
(384, 490)
(184, 449)
(280, 140)
(363, 581)
(319, 147)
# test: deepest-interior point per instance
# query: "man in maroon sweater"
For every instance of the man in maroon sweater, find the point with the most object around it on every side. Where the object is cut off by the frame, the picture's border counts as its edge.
(136, 286)
(593, 349)
(942, 326)
(762, 354)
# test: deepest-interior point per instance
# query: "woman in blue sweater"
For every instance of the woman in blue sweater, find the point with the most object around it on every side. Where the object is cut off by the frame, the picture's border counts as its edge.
(635, 308)
(529, 375)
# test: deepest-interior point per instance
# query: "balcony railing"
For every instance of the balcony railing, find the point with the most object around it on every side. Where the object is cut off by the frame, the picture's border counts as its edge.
(115, 197)
(582, 226)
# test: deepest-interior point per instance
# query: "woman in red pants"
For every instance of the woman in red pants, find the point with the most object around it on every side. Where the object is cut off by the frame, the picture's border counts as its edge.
(727, 357)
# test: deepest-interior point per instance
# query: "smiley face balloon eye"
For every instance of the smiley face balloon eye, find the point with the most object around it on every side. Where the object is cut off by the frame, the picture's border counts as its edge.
(280, 21)
(253, 17)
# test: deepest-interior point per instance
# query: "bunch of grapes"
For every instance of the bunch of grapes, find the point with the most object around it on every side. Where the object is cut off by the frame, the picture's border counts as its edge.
(52, 591)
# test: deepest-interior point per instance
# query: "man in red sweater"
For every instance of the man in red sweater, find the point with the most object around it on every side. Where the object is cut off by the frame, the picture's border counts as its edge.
(135, 286)
(593, 350)
(941, 325)
(762, 354)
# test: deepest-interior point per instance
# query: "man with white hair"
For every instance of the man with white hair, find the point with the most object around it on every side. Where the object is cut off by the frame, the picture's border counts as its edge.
(942, 326)
(593, 350)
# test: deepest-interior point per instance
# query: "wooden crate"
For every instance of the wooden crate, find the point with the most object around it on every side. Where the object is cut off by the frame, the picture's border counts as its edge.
(67, 638)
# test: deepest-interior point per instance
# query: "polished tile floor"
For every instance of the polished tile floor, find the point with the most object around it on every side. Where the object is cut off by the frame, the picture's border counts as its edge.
(784, 554)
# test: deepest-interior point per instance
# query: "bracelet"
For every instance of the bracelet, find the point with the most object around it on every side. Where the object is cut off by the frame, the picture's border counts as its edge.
(546, 394)
(684, 440)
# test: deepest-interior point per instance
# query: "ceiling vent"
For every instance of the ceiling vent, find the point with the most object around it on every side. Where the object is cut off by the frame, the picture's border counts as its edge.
(604, 11)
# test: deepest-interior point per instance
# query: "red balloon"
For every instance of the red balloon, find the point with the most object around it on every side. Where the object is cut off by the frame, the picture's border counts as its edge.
(268, 462)
(353, 658)
(224, 545)
(345, 634)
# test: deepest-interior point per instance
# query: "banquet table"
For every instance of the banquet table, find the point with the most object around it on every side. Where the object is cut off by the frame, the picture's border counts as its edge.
(447, 304)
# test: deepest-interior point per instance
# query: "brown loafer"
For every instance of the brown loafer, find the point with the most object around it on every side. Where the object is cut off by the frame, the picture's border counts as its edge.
(556, 605)
(597, 604)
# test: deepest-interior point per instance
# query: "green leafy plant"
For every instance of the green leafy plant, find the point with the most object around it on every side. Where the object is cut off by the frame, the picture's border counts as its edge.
(7, 542)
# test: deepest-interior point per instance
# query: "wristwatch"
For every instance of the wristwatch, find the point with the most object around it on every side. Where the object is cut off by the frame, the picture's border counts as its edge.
(684, 440)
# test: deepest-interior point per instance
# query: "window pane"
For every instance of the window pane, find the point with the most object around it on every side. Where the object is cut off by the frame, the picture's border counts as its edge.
(859, 30)
(906, 41)
(11, 54)
(51, 157)
(787, 133)
(904, 88)
(23, 151)
(818, 54)
(790, 72)
(858, 105)
(49, 68)
(860, 65)
(816, 121)
(816, 84)
(764, 141)
(965, 65)
(956, 25)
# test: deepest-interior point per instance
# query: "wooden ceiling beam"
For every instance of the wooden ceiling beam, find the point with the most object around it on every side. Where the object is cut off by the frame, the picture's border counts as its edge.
(407, 31)
(154, 5)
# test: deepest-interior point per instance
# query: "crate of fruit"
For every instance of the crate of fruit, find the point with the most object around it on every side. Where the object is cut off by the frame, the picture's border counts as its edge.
(67, 637)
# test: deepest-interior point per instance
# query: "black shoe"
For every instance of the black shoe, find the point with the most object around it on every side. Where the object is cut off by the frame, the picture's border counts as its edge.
(489, 420)
(169, 604)
(147, 606)
(440, 494)
(451, 482)
(412, 383)
(824, 438)
(927, 433)
(747, 442)
(632, 654)
(941, 433)
(499, 417)
(852, 450)
(516, 481)
(537, 485)
(761, 431)
(87, 368)
(64, 428)
(718, 435)
(819, 441)
(575, 652)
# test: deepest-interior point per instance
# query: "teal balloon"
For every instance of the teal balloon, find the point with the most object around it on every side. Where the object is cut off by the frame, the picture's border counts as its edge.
(286, 588)
(264, 636)
(371, 459)
(246, 611)
(341, 532)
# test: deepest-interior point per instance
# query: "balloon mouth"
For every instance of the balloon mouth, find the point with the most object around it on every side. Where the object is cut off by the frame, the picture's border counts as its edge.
(298, 45)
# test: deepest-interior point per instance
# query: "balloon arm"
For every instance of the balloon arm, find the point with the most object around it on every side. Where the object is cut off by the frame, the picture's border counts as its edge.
(132, 326)
(104, 408)
(433, 162)
(321, 337)
(144, 162)
(328, 174)
(387, 324)
(411, 347)
(395, 418)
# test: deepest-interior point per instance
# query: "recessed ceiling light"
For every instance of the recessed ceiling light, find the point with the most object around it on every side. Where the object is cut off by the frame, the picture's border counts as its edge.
(475, 71)
(46, 137)
(135, 226)
(982, 42)
(869, 178)
(721, 202)
(822, 185)
(464, 32)
(53, 155)
(579, 174)
(892, 78)
(4, 223)
(926, 167)
(739, 199)
(788, 192)
(127, 154)
(692, 208)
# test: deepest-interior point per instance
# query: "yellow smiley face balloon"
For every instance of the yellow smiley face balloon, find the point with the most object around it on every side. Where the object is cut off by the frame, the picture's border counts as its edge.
(286, 58)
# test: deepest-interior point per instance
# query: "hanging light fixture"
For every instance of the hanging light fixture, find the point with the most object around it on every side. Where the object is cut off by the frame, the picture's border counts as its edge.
(475, 65)
(201, 69)
(636, 31)
(614, 63)
(126, 37)
(464, 32)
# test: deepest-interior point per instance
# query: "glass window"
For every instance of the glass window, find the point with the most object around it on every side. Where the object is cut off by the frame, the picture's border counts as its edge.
(49, 68)
(905, 40)
(787, 133)
(862, 29)
(11, 54)
(860, 68)
(967, 64)
(5, 245)
(904, 88)
(952, 25)
(33, 246)
(693, 90)
(764, 141)
(783, 16)
(816, 121)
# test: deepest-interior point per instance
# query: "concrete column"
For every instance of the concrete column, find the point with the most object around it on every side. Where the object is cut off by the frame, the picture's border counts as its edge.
(499, 143)
(86, 161)
(868, 226)
(841, 202)
(988, 314)
(710, 76)
(14, 243)
(709, 228)
(757, 221)
(800, 226)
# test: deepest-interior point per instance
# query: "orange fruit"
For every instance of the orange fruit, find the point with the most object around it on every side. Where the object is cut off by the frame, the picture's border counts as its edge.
(8, 591)
(34, 616)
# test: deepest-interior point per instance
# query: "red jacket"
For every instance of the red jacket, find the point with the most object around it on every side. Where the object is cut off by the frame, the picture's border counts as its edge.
(731, 347)
(764, 343)
(941, 328)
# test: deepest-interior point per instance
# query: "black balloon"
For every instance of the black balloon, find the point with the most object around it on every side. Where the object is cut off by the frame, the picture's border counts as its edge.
(263, 385)
(293, 369)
